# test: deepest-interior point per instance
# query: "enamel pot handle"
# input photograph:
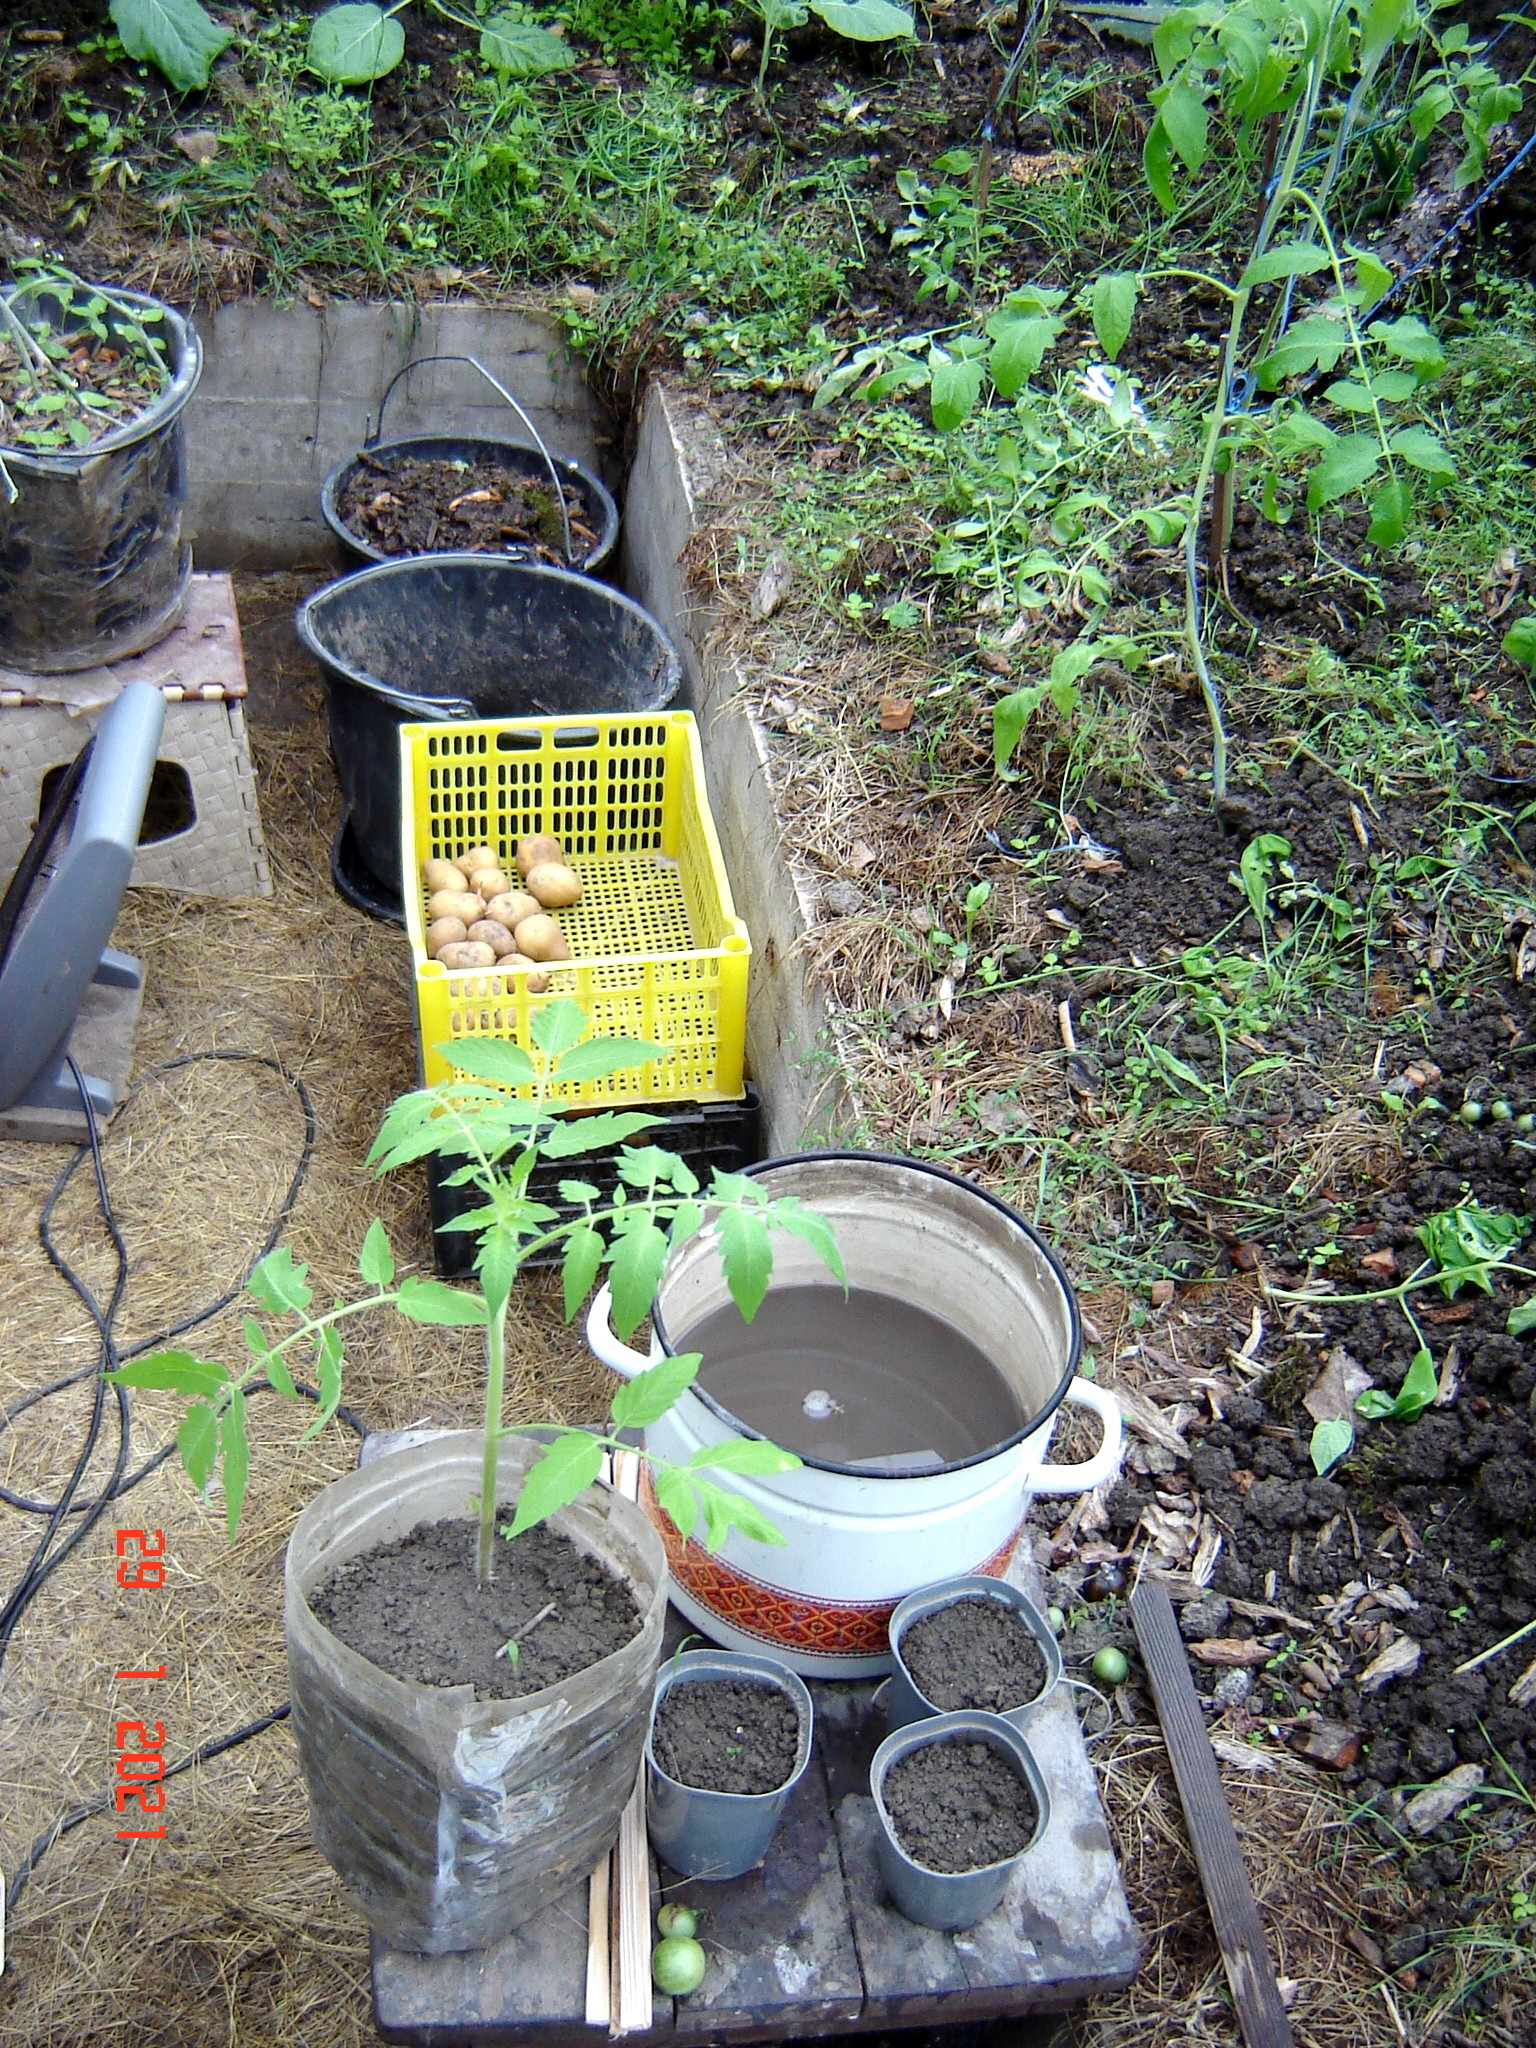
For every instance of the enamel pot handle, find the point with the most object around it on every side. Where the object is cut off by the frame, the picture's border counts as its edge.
(1104, 1463)
(605, 1345)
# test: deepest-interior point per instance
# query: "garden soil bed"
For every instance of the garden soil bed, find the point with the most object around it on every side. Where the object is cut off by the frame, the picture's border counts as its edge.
(958, 1806)
(975, 1653)
(727, 1735)
(413, 1608)
(412, 507)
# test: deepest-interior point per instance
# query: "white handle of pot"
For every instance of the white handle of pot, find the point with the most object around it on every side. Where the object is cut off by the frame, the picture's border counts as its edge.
(605, 1345)
(1104, 1463)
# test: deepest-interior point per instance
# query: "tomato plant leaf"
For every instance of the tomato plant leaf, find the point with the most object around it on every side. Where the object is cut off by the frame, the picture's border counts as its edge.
(648, 1396)
(171, 1372)
(1114, 308)
(197, 1440)
(566, 1470)
(584, 1250)
(376, 1262)
(235, 1451)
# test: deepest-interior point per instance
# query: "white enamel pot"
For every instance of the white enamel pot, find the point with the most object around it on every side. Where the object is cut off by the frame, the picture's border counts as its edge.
(859, 1541)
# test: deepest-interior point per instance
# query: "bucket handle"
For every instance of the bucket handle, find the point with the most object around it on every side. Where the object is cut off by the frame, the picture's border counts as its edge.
(605, 1345)
(474, 362)
(1105, 1462)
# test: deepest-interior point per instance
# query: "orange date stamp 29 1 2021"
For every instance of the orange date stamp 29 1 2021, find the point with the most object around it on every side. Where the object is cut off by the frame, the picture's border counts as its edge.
(140, 1745)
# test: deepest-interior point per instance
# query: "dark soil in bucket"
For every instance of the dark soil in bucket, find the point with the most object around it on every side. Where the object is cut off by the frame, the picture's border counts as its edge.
(413, 1608)
(958, 1806)
(413, 507)
(975, 1653)
(727, 1735)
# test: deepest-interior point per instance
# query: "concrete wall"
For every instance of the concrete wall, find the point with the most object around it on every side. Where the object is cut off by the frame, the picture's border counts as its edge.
(791, 1033)
(288, 392)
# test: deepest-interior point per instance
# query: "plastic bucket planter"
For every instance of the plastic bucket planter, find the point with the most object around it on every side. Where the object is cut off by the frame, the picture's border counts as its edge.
(716, 1835)
(952, 1899)
(458, 637)
(451, 1819)
(92, 564)
(602, 514)
(905, 1700)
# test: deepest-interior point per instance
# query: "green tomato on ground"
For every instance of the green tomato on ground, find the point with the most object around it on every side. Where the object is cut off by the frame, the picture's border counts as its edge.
(681, 1920)
(677, 1965)
(1110, 1667)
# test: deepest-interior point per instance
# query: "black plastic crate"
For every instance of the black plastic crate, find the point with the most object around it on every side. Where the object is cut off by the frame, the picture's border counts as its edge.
(723, 1134)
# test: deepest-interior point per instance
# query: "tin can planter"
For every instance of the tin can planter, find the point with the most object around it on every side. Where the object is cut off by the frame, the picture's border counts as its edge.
(906, 1700)
(718, 1834)
(454, 1818)
(952, 1899)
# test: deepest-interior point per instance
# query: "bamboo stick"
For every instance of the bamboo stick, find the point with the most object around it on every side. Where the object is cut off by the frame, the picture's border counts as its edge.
(631, 1918)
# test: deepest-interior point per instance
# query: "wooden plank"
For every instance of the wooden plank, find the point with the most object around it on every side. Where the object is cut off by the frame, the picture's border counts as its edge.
(1234, 1911)
(779, 1940)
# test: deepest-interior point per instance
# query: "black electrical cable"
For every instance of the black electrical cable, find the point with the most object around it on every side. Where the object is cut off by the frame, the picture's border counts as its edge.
(92, 1807)
(46, 1558)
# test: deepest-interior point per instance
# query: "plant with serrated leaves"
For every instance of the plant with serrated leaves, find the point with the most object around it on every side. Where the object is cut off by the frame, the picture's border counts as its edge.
(1012, 714)
(861, 21)
(491, 1126)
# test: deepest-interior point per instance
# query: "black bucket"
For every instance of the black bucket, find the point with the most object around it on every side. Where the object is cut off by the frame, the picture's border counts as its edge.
(93, 567)
(601, 513)
(459, 637)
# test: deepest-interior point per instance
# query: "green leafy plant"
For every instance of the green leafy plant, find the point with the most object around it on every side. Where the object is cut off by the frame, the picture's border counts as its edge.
(862, 21)
(76, 360)
(1519, 643)
(492, 1128)
(177, 36)
(1466, 1246)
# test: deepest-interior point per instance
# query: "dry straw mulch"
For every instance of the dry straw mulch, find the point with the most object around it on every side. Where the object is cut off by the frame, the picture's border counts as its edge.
(233, 1929)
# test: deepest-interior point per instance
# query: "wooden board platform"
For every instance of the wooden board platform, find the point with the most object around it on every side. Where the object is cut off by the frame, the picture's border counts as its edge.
(810, 1946)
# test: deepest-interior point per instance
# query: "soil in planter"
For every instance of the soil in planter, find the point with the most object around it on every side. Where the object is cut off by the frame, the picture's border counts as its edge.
(727, 1735)
(94, 388)
(975, 1653)
(413, 1608)
(958, 1806)
(412, 507)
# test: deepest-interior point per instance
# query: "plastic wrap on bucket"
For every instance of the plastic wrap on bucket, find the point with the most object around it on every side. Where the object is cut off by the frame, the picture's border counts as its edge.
(92, 564)
(453, 1820)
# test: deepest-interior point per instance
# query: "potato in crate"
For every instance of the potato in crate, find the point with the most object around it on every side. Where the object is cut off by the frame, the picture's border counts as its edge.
(648, 942)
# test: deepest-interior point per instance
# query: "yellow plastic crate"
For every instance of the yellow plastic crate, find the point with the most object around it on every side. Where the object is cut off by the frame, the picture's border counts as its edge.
(659, 952)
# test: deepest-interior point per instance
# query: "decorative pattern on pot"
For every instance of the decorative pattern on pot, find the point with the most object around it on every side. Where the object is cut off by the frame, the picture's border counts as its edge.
(954, 1302)
(453, 1819)
(768, 1613)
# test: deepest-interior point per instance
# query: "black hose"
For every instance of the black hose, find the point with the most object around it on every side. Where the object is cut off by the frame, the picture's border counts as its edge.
(48, 1555)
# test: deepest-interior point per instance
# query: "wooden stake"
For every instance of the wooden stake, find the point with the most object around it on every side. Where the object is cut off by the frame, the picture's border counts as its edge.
(1234, 1913)
(631, 1919)
(599, 1985)
(599, 1997)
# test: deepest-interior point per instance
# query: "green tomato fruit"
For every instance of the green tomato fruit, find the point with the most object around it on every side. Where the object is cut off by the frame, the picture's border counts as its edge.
(1057, 1620)
(1501, 1112)
(677, 1965)
(680, 1920)
(1525, 1123)
(1110, 1667)
(1471, 1112)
